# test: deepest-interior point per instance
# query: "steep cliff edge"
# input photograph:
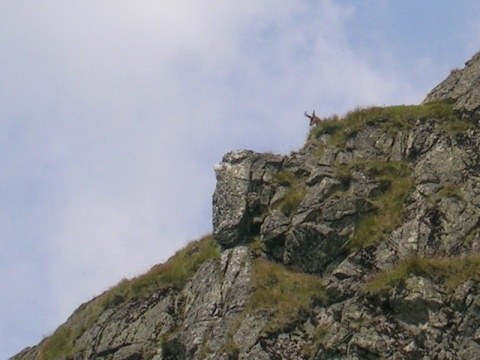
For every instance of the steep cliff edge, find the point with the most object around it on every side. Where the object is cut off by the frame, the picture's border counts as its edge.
(361, 245)
(461, 89)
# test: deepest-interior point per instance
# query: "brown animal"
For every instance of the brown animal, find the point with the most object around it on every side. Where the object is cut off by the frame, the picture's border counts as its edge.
(314, 120)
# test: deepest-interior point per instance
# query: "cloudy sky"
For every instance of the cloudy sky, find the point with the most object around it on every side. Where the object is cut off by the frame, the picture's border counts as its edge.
(113, 114)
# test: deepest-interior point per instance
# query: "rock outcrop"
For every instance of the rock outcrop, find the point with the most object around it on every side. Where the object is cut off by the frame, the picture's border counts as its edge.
(235, 198)
(361, 245)
(462, 89)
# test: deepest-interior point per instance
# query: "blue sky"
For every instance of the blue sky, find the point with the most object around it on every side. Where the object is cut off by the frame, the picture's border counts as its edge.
(113, 114)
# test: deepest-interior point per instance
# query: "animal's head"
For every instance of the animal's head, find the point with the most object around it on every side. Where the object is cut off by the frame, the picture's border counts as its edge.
(313, 118)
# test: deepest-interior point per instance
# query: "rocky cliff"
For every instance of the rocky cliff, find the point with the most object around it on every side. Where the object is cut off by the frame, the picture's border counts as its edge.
(361, 245)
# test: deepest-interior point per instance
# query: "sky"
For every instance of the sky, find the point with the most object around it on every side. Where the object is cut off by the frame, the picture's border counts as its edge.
(113, 114)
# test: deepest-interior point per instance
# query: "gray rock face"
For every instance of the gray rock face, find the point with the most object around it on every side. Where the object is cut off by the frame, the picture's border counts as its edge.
(341, 189)
(461, 88)
(230, 206)
(192, 323)
(386, 214)
(235, 200)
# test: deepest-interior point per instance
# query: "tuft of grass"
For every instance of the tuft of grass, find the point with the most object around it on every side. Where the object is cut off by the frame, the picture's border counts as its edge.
(344, 174)
(382, 169)
(396, 183)
(231, 349)
(256, 246)
(282, 293)
(285, 177)
(59, 345)
(172, 274)
(395, 118)
(449, 272)
(375, 227)
(311, 349)
(292, 199)
(295, 193)
(328, 126)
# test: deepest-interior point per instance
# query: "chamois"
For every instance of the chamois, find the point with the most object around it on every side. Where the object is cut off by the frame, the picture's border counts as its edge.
(314, 120)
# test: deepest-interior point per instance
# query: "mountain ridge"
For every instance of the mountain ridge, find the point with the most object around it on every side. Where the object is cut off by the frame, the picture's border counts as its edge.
(363, 244)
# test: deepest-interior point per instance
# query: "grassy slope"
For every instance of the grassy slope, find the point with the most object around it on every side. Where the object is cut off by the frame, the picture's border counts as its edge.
(172, 274)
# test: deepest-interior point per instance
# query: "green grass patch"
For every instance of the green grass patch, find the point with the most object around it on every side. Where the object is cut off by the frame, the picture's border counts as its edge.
(292, 199)
(379, 170)
(329, 126)
(285, 177)
(256, 246)
(344, 175)
(395, 183)
(400, 117)
(172, 274)
(282, 293)
(449, 272)
(295, 193)
(231, 349)
(59, 345)
(392, 119)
